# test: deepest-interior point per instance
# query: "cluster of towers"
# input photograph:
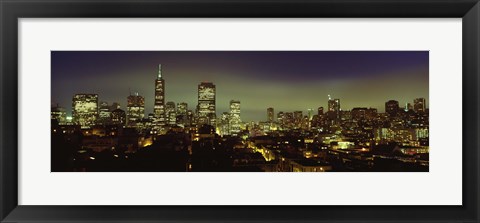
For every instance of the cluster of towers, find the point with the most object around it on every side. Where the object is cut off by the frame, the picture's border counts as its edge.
(86, 110)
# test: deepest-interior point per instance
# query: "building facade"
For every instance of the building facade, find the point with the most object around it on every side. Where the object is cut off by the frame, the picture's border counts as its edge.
(270, 114)
(206, 103)
(419, 105)
(235, 119)
(392, 108)
(135, 109)
(85, 109)
(159, 105)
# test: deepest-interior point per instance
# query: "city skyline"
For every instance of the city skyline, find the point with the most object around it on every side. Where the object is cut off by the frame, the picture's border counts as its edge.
(394, 68)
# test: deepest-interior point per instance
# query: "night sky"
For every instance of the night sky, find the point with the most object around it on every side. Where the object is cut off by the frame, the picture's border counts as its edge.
(284, 80)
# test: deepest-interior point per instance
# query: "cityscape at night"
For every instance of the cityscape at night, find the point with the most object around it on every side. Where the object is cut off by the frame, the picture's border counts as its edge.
(239, 111)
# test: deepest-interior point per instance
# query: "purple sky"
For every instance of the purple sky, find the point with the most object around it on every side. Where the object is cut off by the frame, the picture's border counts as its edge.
(284, 80)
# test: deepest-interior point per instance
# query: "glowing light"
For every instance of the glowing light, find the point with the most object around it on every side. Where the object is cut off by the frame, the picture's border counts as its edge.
(92, 158)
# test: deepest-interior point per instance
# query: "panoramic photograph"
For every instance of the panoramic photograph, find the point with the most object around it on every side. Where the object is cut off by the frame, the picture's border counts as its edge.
(239, 111)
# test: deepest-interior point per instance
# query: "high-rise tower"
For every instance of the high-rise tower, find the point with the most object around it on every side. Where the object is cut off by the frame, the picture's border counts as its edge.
(270, 115)
(235, 117)
(392, 108)
(419, 105)
(333, 108)
(135, 109)
(206, 103)
(85, 109)
(159, 106)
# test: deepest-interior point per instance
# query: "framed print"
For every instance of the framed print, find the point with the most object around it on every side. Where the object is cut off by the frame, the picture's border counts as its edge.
(160, 111)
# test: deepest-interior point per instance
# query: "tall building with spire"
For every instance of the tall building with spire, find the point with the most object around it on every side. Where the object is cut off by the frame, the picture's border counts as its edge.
(159, 106)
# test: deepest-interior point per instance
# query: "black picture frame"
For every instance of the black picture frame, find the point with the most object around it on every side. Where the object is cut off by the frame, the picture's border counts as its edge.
(12, 10)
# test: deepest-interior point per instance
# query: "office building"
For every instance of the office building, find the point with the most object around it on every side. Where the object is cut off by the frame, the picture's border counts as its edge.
(159, 105)
(419, 105)
(392, 108)
(235, 117)
(270, 114)
(206, 103)
(104, 113)
(171, 113)
(59, 114)
(118, 117)
(85, 109)
(135, 109)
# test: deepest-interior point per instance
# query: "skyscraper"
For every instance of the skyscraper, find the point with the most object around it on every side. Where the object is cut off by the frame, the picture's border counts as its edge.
(85, 109)
(206, 103)
(118, 117)
(419, 105)
(392, 107)
(310, 114)
(281, 118)
(270, 114)
(320, 111)
(135, 109)
(334, 105)
(234, 117)
(333, 108)
(225, 123)
(182, 108)
(171, 113)
(104, 113)
(59, 114)
(297, 116)
(159, 106)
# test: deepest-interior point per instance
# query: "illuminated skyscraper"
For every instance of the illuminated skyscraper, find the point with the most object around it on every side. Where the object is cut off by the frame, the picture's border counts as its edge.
(320, 111)
(333, 108)
(419, 105)
(206, 103)
(310, 114)
(298, 118)
(288, 119)
(334, 105)
(59, 114)
(182, 108)
(85, 109)
(270, 114)
(225, 124)
(281, 118)
(159, 106)
(392, 107)
(104, 113)
(118, 117)
(171, 113)
(135, 109)
(235, 117)
(182, 117)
